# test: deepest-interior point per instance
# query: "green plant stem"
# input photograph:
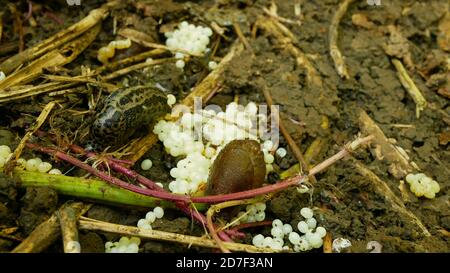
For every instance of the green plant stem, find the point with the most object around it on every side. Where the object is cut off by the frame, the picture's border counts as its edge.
(89, 188)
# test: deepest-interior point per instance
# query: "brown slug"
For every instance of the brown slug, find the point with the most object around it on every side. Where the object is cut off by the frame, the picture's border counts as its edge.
(238, 167)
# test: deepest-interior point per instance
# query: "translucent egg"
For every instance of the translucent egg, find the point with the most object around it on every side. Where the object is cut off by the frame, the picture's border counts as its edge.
(4, 151)
(321, 231)
(44, 167)
(55, 171)
(159, 212)
(311, 223)
(306, 212)
(150, 217)
(277, 232)
(277, 223)
(303, 227)
(258, 240)
(146, 164)
(32, 164)
(294, 238)
(287, 228)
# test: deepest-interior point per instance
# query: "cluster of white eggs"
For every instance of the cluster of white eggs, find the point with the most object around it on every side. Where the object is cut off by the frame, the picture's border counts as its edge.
(2, 76)
(190, 38)
(422, 185)
(311, 239)
(190, 173)
(253, 213)
(199, 137)
(124, 245)
(33, 165)
(107, 52)
(150, 217)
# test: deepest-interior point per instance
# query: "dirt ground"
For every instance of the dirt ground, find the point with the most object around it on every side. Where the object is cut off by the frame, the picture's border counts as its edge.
(347, 203)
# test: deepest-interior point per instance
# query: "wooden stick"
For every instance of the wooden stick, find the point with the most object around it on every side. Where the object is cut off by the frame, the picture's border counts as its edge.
(46, 233)
(333, 35)
(58, 39)
(9, 166)
(328, 243)
(399, 164)
(56, 57)
(68, 220)
(216, 208)
(294, 147)
(410, 86)
(134, 67)
(384, 190)
(166, 236)
(241, 37)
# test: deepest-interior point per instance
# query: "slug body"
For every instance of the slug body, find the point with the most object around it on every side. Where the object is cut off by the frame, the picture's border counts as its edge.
(126, 110)
(238, 167)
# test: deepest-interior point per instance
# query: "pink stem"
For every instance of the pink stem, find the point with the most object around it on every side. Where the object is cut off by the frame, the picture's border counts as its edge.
(106, 177)
(152, 185)
(250, 225)
(296, 180)
(122, 161)
(113, 163)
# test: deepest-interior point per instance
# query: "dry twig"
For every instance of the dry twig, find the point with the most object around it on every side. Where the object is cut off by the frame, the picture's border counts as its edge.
(58, 39)
(166, 236)
(333, 35)
(9, 166)
(56, 57)
(68, 220)
(46, 233)
(410, 86)
(399, 164)
(383, 189)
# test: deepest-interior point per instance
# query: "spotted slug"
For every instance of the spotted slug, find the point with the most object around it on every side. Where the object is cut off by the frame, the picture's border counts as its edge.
(238, 167)
(126, 110)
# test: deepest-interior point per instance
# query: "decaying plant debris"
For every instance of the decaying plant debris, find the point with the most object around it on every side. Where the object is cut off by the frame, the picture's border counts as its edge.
(363, 96)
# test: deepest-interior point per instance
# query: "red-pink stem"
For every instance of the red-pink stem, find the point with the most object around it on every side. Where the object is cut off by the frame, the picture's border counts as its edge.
(251, 225)
(113, 163)
(106, 177)
(152, 185)
(296, 180)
